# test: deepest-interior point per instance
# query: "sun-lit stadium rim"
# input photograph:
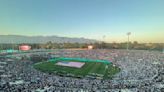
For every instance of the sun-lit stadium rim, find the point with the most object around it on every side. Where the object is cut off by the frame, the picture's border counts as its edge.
(78, 59)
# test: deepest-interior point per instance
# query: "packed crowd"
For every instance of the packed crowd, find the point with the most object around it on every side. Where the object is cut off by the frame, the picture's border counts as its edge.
(141, 71)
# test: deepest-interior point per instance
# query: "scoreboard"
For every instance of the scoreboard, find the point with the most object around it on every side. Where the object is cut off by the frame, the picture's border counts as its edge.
(24, 47)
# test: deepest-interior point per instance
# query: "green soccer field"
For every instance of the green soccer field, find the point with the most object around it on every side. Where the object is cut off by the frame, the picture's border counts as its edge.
(90, 69)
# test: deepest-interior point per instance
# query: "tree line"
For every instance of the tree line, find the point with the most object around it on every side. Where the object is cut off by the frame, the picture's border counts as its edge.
(97, 45)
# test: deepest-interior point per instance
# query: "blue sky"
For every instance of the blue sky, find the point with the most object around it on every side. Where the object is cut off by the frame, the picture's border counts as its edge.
(85, 18)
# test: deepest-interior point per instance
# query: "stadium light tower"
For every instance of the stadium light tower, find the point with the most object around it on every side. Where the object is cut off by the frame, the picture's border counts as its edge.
(163, 48)
(103, 41)
(128, 34)
(104, 38)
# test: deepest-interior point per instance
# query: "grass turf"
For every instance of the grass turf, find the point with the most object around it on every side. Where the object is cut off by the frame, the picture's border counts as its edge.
(90, 68)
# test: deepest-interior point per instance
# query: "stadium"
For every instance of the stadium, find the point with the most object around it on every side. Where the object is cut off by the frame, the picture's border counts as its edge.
(81, 46)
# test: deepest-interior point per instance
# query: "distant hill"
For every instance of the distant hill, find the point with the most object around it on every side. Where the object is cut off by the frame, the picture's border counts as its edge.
(41, 39)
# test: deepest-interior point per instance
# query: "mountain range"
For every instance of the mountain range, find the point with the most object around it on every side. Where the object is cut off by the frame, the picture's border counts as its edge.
(42, 39)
